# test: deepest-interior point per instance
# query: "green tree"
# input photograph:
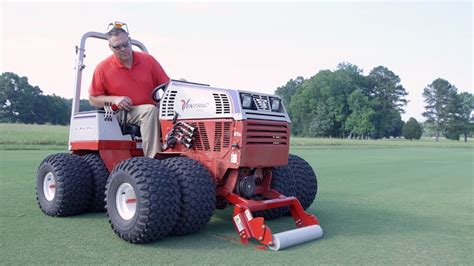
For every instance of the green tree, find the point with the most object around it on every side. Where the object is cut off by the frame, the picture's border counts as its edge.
(387, 97)
(452, 130)
(305, 101)
(346, 79)
(17, 99)
(398, 127)
(395, 125)
(467, 115)
(453, 124)
(438, 97)
(59, 110)
(287, 91)
(320, 105)
(385, 84)
(22, 103)
(412, 129)
(359, 122)
(459, 120)
(321, 123)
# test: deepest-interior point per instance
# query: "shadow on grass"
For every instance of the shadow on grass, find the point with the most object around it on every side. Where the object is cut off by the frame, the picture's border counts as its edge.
(218, 233)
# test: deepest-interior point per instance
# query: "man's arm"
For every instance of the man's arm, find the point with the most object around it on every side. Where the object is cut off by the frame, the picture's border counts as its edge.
(99, 91)
(122, 102)
(159, 75)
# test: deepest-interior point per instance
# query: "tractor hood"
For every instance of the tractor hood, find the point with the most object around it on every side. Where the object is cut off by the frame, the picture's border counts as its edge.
(199, 101)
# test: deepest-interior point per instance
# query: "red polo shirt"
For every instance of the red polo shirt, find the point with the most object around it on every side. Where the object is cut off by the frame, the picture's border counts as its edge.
(112, 78)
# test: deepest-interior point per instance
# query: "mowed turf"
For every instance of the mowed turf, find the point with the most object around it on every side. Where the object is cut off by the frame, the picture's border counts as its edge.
(376, 205)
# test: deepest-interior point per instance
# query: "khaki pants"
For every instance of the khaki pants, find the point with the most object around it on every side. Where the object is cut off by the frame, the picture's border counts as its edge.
(146, 117)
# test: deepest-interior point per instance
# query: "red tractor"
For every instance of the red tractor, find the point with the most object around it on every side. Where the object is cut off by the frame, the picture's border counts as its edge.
(221, 147)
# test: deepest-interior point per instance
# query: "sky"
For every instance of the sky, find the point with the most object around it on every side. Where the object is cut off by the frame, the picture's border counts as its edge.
(256, 46)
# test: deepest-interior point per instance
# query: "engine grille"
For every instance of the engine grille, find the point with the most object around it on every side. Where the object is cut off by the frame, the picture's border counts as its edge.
(221, 133)
(261, 102)
(222, 103)
(167, 103)
(267, 133)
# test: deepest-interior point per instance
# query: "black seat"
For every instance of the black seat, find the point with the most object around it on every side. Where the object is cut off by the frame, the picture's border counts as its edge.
(131, 129)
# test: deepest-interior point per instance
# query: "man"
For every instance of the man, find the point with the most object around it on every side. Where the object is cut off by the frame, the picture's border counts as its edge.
(126, 80)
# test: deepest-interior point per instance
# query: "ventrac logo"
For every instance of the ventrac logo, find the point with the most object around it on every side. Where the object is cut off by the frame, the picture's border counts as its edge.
(197, 106)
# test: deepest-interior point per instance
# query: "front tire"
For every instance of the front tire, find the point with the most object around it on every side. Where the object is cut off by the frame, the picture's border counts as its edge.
(306, 180)
(142, 200)
(63, 187)
(100, 174)
(198, 194)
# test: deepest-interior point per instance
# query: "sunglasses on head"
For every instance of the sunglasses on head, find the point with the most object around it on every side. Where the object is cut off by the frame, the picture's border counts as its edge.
(120, 46)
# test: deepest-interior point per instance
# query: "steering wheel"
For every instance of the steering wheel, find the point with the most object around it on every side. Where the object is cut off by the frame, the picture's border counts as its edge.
(155, 95)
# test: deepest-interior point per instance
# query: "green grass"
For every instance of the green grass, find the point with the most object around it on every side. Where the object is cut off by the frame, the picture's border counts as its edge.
(311, 143)
(33, 137)
(377, 205)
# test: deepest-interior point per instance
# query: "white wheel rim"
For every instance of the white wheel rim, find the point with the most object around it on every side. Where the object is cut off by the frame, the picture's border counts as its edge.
(126, 201)
(49, 186)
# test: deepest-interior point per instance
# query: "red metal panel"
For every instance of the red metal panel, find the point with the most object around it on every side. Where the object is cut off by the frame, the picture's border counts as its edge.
(112, 152)
(103, 145)
(113, 157)
(263, 155)
(265, 143)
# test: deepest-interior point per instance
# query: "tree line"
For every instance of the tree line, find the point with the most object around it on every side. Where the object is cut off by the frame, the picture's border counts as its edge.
(21, 102)
(344, 103)
(448, 111)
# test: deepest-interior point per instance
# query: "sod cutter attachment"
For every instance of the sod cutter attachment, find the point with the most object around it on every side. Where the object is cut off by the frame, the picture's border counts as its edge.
(248, 227)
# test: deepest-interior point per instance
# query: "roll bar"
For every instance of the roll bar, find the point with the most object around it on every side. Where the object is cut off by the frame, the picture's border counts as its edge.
(79, 66)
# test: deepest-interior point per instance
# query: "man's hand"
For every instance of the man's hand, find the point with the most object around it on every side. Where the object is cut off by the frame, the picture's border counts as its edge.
(123, 102)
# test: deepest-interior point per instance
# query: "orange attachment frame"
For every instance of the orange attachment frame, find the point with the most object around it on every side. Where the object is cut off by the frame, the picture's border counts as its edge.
(249, 227)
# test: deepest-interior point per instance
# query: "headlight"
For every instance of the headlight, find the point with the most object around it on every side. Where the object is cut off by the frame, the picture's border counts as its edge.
(275, 102)
(246, 101)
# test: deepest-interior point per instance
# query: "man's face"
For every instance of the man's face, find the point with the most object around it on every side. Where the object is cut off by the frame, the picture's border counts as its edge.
(121, 47)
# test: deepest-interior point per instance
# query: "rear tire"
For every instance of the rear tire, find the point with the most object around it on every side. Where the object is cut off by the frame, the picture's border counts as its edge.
(283, 181)
(142, 199)
(63, 186)
(306, 180)
(198, 194)
(100, 174)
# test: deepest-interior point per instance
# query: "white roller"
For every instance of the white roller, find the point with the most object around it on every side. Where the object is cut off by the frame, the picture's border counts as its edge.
(297, 236)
